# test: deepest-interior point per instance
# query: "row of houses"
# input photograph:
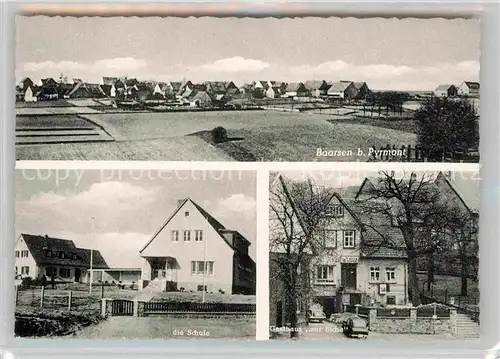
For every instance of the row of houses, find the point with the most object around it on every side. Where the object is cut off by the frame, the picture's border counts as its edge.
(466, 89)
(191, 251)
(350, 270)
(203, 94)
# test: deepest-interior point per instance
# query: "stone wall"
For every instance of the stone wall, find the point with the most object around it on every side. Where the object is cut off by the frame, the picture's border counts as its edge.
(412, 324)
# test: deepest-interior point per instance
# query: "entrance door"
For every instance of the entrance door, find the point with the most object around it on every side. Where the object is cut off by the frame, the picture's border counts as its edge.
(78, 274)
(279, 314)
(348, 275)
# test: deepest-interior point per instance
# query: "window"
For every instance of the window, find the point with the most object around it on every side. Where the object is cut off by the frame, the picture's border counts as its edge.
(349, 239)
(335, 210)
(60, 255)
(48, 253)
(16, 270)
(17, 254)
(187, 236)
(390, 274)
(325, 274)
(25, 270)
(24, 254)
(202, 268)
(391, 300)
(198, 235)
(374, 274)
(64, 272)
(330, 238)
(186, 214)
(74, 256)
(175, 235)
(50, 271)
(300, 306)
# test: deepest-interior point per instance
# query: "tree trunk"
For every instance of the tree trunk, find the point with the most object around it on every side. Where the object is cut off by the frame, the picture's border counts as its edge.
(291, 311)
(430, 270)
(463, 275)
(413, 279)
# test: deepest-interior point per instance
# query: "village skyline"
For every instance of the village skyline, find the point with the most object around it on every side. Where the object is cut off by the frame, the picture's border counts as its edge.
(411, 56)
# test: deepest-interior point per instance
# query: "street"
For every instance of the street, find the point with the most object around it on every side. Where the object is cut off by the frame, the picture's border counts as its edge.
(331, 331)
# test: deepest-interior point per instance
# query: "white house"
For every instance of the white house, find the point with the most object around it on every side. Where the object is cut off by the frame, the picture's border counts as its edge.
(192, 251)
(343, 89)
(29, 96)
(445, 91)
(38, 256)
(469, 89)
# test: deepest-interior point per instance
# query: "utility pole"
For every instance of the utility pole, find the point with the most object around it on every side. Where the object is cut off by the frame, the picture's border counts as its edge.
(91, 277)
(205, 269)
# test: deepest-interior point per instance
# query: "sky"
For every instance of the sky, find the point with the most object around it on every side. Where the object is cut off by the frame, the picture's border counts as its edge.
(128, 206)
(406, 54)
(341, 179)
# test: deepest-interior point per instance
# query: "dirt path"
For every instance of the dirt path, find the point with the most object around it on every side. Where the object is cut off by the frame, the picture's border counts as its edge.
(168, 328)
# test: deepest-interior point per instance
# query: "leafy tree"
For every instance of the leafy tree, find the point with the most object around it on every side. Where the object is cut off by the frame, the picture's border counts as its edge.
(296, 213)
(447, 125)
(415, 206)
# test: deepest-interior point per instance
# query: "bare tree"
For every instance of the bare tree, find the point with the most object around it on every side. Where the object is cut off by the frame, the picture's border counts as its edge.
(296, 211)
(410, 204)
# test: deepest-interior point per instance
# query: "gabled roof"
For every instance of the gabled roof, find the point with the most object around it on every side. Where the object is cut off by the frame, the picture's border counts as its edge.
(294, 86)
(444, 87)
(216, 86)
(316, 85)
(359, 85)
(472, 85)
(466, 190)
(201, 95)
(339, 86)
(109, 80)
(38, 245)
(216, 225)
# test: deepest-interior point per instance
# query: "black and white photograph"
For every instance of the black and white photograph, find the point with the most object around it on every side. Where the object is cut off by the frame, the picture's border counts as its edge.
(247, 89)
(383, 255)
(135, 254)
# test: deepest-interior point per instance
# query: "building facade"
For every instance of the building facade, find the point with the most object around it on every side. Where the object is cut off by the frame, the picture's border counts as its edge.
(192, 251)
(54, 258)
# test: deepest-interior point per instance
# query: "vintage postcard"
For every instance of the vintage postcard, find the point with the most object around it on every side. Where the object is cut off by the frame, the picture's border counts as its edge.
(387, 255)
(112, 254)
(243, 89)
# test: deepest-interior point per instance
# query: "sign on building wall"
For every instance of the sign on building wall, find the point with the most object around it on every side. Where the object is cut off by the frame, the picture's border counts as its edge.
(349, 260)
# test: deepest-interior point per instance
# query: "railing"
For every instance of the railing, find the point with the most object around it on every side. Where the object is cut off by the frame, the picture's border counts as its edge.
(420, 154)
(183, 307)
(473, 314)
(393, 312)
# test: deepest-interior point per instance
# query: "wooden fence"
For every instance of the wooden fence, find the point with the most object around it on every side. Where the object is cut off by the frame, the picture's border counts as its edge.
(410, 153)
(61, 300)
(179, 307)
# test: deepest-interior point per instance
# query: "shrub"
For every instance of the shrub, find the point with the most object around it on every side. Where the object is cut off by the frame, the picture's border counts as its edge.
(26, 283)
(219, 134)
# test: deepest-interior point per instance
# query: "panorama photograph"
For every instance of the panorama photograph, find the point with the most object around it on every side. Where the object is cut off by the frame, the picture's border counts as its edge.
(247, 89)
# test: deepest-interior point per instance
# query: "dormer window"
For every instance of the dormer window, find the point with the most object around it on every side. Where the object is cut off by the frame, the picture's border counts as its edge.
(60, 255)
(335, 210)
(48, 253)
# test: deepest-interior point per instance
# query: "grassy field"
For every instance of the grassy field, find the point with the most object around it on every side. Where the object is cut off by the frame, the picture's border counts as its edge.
(169, 328)
(54, 121)
(57, 299)
(171, 149)
(267, 136)
(209, 297)
(300, 142)
(43, 104)
(406, 125)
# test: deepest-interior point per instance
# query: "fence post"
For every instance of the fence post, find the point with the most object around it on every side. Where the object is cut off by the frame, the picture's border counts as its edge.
(42, 294)
(136, 308)
(70, 297)
(103, 307)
